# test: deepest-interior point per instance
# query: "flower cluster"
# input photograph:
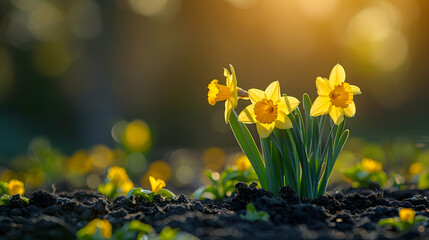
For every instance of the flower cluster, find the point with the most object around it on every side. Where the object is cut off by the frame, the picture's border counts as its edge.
(298, 149)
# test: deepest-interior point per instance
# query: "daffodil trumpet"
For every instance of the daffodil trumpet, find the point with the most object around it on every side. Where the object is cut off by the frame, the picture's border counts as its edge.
(229, 93)
(298, 148)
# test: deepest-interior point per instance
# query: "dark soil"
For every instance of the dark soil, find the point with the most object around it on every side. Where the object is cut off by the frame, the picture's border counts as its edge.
(347, 214)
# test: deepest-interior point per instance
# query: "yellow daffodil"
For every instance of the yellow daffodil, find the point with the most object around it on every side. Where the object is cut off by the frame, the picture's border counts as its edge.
(407, 215)
(243, 163)
(229, 93)
(15, 187)
(117, 174)
(268, 110)
(102, 224)
(126, 186)
(335, 96)
(156, 185)
(371, 165)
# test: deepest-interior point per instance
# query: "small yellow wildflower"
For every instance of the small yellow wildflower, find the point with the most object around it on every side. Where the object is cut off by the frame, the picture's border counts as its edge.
(243, 163)
(229, 93)
(335, 96)
(416, 168)
(137, 136)
(407, 215)
(16, 187)
(126, 186)
(102, 224)
(371, 165)
(117, 174)
(156, 185)
(268, 110)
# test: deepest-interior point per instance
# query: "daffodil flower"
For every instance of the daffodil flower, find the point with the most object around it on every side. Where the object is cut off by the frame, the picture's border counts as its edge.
(371, 166)
(407, 215)
(335, 96)
(268, 110)
(16, 187)
(229, 93)
(156, 185)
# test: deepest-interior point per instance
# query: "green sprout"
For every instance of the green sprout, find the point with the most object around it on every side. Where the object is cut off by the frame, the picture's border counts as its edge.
(223, 184)
(157, 188)
(406, 220)
(366, 172)
(298, 148)
(253, 215)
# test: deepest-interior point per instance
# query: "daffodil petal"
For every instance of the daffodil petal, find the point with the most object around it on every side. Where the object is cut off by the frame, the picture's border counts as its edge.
(228, 108)
(228, 77)
(337, 115)
(283, 121)
(152, 183)
(321, 106)
(323, 86)
(247, 115)
(337, 76)
(293, 104)
(264, 130)
(355, 90)
(350, 110)
(256, 95)
(273, 91)
(234, 77)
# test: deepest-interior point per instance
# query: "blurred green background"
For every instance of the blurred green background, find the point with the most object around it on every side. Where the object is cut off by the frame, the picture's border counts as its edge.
(69, 70)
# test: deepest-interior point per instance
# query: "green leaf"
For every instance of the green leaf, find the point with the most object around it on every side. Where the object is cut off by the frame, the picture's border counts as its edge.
(166, 193)
(4, 200)
(271, 167)
(135, 192)
(306, 183)
(247, 144)
(306, 102)
(253, 215)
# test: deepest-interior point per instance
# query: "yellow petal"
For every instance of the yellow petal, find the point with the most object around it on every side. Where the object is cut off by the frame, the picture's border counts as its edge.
(152, 182)
(321, 106)
(350, 110)
(283, 121)
(337, 115)
(247, 115)
(228, 77)
(323, 86)
(228, 108)
(293, 104)
(337, 76)
(234, 77)
(355, 89)
(264, 130)
(256, 95)
(273, 91)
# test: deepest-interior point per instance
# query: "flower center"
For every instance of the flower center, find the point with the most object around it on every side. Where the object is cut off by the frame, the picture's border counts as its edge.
(218, 92)
(342, 95)
(265, 111)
